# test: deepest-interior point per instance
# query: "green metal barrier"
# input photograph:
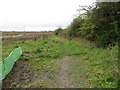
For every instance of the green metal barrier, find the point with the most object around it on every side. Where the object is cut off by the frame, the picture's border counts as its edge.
(7, 64)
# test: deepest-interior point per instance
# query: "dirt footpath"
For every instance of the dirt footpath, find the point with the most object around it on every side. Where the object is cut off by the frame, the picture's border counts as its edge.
(71, 73)
(68, 72)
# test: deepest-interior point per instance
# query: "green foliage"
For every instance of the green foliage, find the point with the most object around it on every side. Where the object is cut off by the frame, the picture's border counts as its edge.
(74, 27)
(73, 48)
(58, 31)
(105, 17)
(98, 23)
(99, 60)
(101, 71)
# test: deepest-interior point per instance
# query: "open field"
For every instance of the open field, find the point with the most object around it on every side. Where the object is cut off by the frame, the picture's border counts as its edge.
(14, 36)
(8, 33)
(55, 62)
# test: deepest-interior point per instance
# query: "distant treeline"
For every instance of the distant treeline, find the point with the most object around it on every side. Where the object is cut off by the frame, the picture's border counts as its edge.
(99, 23)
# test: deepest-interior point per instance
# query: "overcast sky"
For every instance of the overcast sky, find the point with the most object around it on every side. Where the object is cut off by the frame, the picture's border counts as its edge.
(38, 14)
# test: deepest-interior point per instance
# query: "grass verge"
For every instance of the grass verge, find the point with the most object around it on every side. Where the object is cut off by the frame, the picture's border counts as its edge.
(102, 66)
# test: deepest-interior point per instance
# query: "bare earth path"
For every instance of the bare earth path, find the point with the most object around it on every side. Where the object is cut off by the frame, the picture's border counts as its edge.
(67, 72)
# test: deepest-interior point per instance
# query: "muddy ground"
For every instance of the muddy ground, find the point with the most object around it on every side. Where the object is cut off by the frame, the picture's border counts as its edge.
(67, 72)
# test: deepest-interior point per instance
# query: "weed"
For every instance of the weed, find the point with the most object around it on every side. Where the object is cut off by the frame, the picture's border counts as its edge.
(101, 63)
